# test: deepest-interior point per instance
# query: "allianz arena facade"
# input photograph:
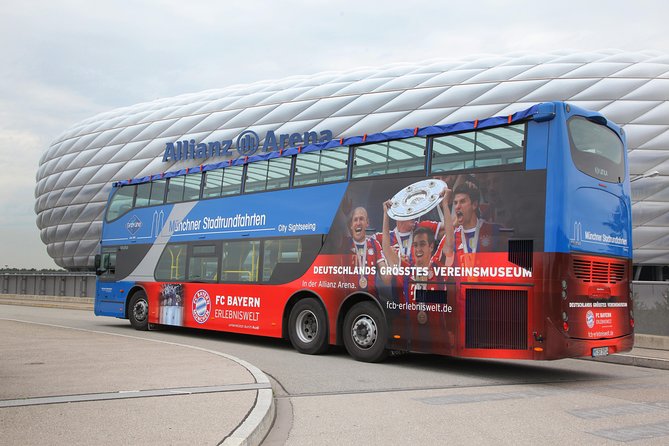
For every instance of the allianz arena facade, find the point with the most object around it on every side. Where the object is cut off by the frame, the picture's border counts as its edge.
(76, 172)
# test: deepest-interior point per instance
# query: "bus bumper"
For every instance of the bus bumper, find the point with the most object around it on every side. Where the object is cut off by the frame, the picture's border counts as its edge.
(110, 298)
(559, 345)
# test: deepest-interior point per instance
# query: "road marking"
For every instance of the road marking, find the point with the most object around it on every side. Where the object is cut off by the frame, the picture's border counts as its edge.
(613, 411)
(477, 398)
(632, 433)
(129, 394)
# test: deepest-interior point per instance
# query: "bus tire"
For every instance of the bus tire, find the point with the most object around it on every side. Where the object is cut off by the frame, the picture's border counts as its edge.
(138, 311)
(307, 327)
(365, 333)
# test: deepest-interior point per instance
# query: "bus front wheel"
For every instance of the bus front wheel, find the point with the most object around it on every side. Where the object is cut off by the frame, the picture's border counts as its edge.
(307, 327)
(138, 311)
(365, 333)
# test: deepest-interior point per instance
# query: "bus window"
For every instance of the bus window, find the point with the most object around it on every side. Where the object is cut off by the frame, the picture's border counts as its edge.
(240, 261)
(279, 252)
(158, 192)
(175, 189)
(121, 202)
(203, 264)
(596, 150)
(402, 155)
(256, 177)
(497, 146)
(192, 186)
(453, 152)
(285, 260)
(232, 180)
(108, 263)
(278, 173)
(213, 181)
(172, 264)
(500, 146)
(268, 175)
(323, 166)
(143, 196)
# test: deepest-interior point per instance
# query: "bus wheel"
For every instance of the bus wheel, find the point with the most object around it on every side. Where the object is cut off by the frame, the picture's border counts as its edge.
(307, 327)
(138, 311)
(365, 333)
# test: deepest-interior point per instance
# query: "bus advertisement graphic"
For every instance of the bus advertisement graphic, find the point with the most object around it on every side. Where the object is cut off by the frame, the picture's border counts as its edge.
(498, 251)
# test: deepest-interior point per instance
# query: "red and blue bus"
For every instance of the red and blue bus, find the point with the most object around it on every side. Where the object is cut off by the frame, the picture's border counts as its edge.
(506, 237)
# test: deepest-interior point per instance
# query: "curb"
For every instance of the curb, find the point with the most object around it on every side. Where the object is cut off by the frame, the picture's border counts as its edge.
(257, 423)
(638, 361)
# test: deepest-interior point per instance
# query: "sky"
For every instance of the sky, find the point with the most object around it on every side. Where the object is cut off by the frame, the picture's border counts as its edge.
(66, 60)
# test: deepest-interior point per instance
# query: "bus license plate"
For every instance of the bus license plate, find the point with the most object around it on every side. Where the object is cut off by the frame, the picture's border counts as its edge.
(600, 351)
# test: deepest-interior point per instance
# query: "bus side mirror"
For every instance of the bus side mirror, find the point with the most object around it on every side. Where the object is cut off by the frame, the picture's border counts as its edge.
(98, 259)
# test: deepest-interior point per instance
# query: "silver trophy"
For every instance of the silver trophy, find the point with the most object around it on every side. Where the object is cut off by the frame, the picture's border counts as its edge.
(416, 200)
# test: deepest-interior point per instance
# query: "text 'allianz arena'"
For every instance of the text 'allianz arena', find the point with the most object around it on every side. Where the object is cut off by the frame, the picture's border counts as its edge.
(632, 89)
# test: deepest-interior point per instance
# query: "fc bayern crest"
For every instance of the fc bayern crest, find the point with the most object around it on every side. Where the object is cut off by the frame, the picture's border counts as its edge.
(201, 306)
(590, 319)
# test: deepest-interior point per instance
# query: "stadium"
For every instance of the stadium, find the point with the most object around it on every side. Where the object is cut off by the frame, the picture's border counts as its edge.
(76, 172)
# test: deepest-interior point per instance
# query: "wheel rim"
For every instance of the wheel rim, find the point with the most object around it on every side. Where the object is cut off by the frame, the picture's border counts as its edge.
(306, 326)
(140, 310)
(364, 332)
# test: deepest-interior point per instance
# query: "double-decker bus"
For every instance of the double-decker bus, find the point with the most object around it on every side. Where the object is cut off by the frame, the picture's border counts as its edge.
(506, 237)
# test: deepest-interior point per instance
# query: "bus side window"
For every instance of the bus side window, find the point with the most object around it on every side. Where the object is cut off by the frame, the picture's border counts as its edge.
(280, 257)
(172, 264)
(143, 195)
(213, 181)
(175, 189)
(402, 155)
(107, 269)
(240, 261)
(203, 264)
(157, 192)
(323, 166)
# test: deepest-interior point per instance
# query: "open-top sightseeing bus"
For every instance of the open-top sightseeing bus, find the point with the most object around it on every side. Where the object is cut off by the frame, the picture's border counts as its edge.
(507, 237)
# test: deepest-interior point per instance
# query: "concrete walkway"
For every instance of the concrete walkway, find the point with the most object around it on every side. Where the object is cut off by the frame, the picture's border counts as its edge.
(61, 385)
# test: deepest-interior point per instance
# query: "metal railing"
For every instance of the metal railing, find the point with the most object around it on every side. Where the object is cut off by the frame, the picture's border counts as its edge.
(48, 284)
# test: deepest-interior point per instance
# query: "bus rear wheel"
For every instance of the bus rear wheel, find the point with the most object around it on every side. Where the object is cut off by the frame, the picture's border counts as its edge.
(307, 327)
(138, 311)
(365, 333)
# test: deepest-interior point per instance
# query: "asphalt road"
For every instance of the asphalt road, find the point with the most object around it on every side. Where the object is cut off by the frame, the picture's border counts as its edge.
(424, 399)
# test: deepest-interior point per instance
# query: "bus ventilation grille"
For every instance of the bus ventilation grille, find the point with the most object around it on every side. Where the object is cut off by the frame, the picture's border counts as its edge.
(521, 253)
(598, 271)
(496, 319)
